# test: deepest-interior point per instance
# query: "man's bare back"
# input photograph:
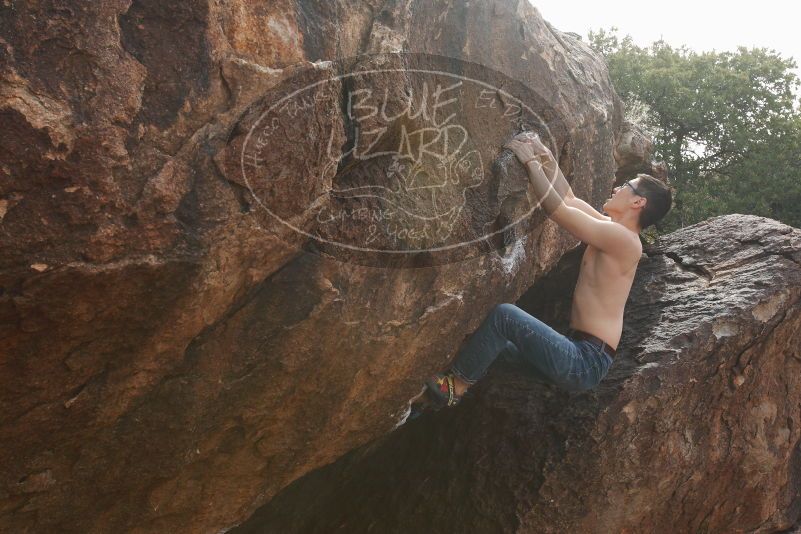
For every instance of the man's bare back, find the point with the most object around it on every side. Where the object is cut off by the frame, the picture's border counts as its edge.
(602, 290)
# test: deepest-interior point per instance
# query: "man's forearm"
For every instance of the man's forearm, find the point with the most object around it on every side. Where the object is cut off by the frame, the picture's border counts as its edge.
(549, 195)
(548, 183)
(554, 174)
(566, 192)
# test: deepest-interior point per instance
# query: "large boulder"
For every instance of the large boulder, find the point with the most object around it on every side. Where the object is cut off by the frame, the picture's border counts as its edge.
(633, 154)
(173, 355)
(696, 428)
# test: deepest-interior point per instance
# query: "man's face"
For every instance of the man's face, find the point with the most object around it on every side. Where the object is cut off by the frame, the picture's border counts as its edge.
(623, 197)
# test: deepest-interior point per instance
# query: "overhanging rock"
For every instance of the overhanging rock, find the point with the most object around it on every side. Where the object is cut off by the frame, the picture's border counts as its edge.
(697, 427)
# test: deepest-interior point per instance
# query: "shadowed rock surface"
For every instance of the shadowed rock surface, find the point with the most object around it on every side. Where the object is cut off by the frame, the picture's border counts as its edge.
(170, 356)
(696, 428)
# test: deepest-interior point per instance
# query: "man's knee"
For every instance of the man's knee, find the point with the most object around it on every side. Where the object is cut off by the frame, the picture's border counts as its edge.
(504, 309)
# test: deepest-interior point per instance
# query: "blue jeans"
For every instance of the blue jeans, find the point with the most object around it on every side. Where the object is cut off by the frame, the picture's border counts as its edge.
(571, 364)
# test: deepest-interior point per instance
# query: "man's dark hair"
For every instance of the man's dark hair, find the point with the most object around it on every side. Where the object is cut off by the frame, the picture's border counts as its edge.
(660, 199)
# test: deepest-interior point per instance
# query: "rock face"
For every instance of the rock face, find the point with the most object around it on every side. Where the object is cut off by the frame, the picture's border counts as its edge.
(696, 428)
(633, 153)
(171, 356)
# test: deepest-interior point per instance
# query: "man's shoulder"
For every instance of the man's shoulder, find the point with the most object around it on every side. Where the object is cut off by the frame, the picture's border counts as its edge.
(628, 241)
(629, 250)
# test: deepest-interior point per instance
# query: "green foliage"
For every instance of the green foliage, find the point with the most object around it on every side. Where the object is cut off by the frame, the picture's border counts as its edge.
(727, 124)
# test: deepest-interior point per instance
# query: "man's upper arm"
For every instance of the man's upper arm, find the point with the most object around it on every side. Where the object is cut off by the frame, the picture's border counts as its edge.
(576, 202)
(603, 234)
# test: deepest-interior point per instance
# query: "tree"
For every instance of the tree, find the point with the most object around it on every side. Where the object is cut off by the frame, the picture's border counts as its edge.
(726, 123)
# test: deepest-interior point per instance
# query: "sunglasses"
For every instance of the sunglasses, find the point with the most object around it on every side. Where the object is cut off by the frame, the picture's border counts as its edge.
(632, 188)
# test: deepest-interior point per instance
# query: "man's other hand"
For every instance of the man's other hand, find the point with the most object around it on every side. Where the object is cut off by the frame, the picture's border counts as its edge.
(539, 148)
(523, 149)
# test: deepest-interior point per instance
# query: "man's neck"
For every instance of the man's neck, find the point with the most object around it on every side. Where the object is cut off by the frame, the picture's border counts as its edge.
(628, 221)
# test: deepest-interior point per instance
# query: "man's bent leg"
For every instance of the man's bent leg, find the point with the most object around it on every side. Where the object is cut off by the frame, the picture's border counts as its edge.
(554, 355)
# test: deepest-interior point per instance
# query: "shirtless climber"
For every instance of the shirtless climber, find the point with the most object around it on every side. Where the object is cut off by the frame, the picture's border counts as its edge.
(581, 359)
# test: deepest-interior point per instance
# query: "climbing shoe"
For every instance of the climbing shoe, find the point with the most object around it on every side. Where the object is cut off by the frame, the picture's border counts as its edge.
(441, 391)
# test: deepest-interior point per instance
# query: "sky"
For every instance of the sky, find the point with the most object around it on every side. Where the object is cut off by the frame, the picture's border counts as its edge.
(699, 24)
